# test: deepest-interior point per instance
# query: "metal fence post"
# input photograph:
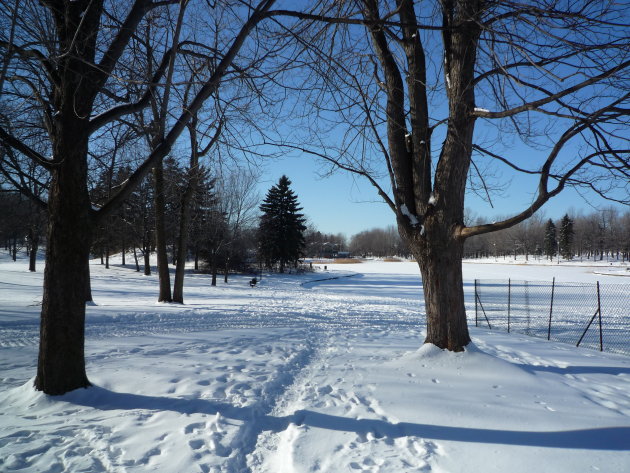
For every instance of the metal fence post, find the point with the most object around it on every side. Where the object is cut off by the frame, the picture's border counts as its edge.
(599, 309)
(509, 300)
(553, 287)
(476, 296)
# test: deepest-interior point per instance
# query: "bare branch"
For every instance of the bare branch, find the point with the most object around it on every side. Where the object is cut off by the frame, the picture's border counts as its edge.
(538, 103)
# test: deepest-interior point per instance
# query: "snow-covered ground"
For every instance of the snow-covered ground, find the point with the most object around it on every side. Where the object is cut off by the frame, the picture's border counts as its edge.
(299, 376)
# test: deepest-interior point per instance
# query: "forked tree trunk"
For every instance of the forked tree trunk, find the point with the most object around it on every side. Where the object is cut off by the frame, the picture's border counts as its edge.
(61, 362)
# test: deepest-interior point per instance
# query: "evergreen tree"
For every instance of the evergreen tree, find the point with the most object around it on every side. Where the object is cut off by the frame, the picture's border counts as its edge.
(549, 244)
(281, 230)
(566, 237)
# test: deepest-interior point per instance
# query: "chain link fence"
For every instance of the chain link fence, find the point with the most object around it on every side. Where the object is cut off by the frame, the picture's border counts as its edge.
(588, 315)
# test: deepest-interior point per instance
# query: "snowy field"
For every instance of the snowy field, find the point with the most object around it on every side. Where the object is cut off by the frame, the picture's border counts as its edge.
(298, 375)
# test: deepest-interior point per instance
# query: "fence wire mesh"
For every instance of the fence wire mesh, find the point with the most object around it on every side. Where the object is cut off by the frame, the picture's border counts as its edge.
(588, 315)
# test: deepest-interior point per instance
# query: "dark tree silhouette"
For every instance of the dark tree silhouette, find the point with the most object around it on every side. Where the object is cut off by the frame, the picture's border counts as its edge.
(565, 239)
(550, 243)
(282, 226)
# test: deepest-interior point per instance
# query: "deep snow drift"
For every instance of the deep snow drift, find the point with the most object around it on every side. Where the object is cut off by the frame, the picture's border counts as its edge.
(297, 376)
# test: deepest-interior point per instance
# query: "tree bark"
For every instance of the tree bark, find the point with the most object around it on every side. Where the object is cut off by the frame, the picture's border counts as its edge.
(88, 281)
(186, 210)
(442, 282)
(146, 250)
(160, 236)
(147, 263)
(61, 361)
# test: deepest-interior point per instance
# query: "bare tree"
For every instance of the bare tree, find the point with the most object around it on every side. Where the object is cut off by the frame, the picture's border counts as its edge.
(437, 88)
(238, 201)
(64, 62)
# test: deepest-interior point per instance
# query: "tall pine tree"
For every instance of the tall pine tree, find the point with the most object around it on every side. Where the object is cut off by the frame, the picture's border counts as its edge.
(549, 243)
(281, 231)
(566, 237)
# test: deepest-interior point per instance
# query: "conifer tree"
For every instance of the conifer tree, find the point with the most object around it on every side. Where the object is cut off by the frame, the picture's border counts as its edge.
(566, 237)
(549, 243)
(281, 230)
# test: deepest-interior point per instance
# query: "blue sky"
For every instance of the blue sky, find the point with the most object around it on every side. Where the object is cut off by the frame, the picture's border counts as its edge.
(345, 204)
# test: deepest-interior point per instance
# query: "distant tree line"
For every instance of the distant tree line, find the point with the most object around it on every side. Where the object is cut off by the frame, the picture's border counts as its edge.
(599, 235)
(221, 230)
(378, 242)
(22, 225)
(324, 245)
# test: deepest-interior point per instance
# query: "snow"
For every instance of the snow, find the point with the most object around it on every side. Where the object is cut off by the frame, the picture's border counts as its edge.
(479, 109)
(299, 375)
(407, 213)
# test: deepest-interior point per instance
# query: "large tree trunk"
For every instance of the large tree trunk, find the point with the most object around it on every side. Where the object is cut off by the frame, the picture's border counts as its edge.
(441, 270)
(61, 362)
(160, 236)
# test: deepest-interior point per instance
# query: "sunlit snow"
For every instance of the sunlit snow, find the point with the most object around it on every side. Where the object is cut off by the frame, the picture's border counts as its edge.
(298, 375)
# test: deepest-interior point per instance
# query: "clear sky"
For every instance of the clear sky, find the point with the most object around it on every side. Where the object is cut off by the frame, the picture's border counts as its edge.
(345, 204)
(340, 203)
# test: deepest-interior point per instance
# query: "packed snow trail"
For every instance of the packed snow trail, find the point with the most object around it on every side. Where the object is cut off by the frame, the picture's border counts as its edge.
(333, 395)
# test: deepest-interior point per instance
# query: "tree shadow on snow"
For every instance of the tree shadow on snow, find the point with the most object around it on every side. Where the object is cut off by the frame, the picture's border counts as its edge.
(575, 370)
(601, 438)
